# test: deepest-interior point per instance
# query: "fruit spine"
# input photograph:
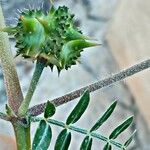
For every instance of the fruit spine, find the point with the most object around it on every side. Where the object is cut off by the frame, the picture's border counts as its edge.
(51, 37)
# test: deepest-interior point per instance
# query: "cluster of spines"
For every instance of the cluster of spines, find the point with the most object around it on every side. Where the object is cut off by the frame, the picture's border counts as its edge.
(52, 37)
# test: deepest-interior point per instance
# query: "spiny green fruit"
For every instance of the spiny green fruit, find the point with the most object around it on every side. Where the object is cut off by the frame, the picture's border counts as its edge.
(51, 37)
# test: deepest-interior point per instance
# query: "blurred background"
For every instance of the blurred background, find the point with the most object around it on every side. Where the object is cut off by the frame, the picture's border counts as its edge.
(123, 29)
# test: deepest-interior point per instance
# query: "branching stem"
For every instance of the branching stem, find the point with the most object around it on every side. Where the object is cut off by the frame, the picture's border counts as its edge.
(35, 78)
(38, 109)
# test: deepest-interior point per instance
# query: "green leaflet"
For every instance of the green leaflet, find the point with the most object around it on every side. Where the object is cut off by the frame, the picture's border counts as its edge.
(86, 144)
(127, 143)
(63, 140)
(107, 147)
(42, 137)
(104, 117)
(121, 128)
(79, 108)
(49, 110)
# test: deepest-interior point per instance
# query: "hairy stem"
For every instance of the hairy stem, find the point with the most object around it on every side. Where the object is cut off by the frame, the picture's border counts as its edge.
(35, 78)
(79, 130)
(14, 93)
(22, 137)
(38, 109)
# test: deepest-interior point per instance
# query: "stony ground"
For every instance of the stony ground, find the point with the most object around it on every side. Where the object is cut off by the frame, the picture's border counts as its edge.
(96, 63)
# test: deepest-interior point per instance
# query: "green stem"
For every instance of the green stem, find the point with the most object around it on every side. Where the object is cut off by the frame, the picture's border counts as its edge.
(22, 134)
(79, 130)
(35, 78)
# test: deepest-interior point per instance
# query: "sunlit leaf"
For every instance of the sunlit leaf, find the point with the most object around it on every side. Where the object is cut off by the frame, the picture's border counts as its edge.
(79, 108)
(49, 110)
(63, 140)
(104, 117)
(121, 128)
(107, 147)
(86, 144)
(42, 137)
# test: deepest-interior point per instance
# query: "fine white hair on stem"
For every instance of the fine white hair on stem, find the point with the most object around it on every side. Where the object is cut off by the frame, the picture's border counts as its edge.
(42, 5)
(25, 9)
(17, 15)
(19, 11)
(30, 7)
(38, 109)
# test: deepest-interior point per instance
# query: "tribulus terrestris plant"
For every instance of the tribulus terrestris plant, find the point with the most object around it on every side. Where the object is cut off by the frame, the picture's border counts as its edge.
(53, 40)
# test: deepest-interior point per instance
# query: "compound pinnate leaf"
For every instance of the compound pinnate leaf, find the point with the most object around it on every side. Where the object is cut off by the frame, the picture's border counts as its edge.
(127, 143)
(42, 136)
(63, 140)
(121, 128)
(49, 110)
(79, 108)
(104, 117)
(107, 147)
(86, 144)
